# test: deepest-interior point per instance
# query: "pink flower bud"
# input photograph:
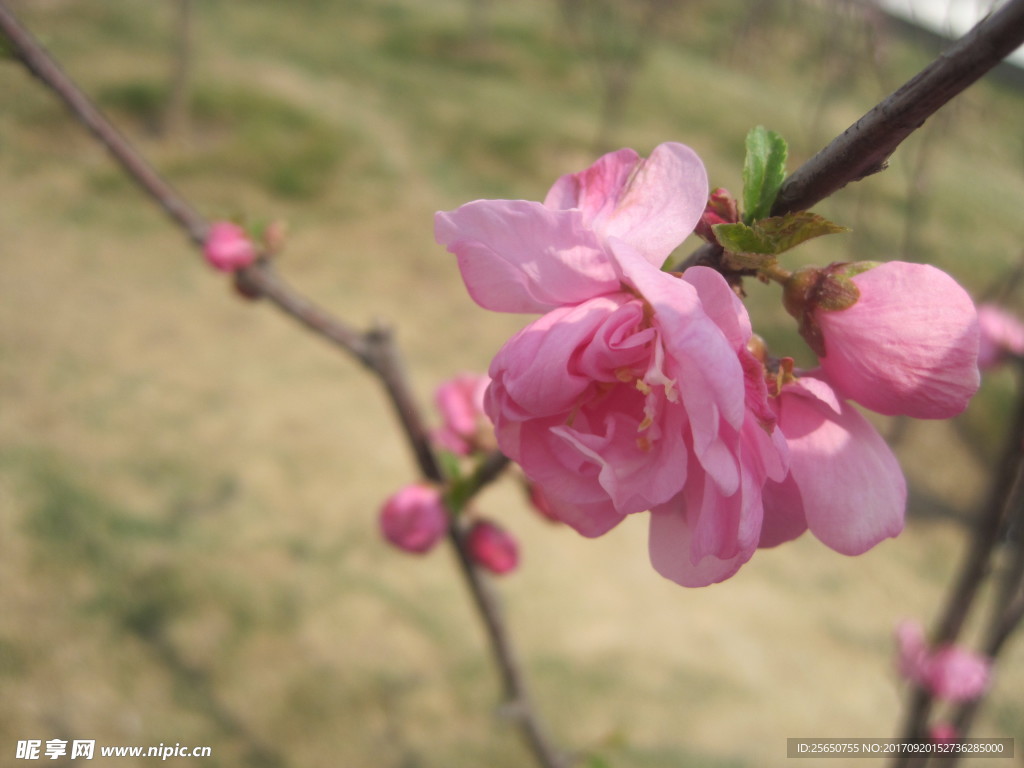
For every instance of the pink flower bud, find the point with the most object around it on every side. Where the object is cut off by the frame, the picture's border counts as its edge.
(414, 518)
(907, 345)
(957, 674)
(1002, 336)
(492, 547)
(461, 403)
(721, 209)
(227, 247)
(912, 660)
(950, 673)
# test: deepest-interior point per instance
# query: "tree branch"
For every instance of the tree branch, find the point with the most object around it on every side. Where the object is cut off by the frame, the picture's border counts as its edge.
(375, 349)
(864, 148)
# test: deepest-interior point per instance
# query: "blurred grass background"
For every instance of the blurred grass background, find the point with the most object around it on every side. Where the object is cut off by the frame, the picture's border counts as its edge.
(188, 486)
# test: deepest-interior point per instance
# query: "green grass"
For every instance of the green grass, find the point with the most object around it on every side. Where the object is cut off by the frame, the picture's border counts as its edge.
(188, 489)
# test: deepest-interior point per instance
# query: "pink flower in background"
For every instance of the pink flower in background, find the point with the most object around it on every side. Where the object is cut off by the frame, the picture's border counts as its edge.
(461, 403)
(912, 651)
(1002, 335)
(227, 247)
(414, 518)
(957, 674)
(491, 547)
(943, 733)
(635, 390)
(908, 346)
(950, 672)
(844, 482)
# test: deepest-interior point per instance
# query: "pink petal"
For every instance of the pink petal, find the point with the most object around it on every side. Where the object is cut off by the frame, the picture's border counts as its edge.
(784, 518)
(651, 204)
(670, 543)
(852, 489)
(698, 355)
(518, 256)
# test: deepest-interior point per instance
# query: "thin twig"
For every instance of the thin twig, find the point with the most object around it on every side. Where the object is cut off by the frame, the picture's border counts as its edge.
(977, 565)
(375, 349)
(864, 148)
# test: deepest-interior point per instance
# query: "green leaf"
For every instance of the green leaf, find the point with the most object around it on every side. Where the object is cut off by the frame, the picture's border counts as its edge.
(775, 235)
(763, 172)
(449, 464)
(739, 238)
(789, 231)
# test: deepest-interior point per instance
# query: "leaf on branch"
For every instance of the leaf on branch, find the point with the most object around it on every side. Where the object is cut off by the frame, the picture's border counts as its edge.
(771, 236)
(763, 172)
(789, 231)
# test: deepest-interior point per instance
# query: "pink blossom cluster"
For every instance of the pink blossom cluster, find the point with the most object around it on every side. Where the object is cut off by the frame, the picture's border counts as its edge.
(950, 673)
(415, 518)
(638, 390)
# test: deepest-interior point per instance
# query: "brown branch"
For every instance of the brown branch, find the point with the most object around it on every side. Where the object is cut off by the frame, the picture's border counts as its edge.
(375, 349)
(864, 148)
(976, 567)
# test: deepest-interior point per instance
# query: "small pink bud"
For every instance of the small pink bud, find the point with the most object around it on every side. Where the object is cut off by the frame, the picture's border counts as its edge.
(957, 674)
(1002, 336)
(227, 247)
(414, 518)
(721, 209)
(461, 403)
(950, 673)
(912, 650)
(492, 547)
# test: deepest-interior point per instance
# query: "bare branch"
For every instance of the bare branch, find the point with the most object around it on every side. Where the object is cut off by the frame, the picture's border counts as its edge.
(865, 147)
(375, 349)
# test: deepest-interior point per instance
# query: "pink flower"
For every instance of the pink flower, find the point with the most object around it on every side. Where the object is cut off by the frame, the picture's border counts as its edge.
(227, 248)
(950, 672)
(492, 547)
(1002, 335)
(635, 391)
(461, 403)
(414, 518)
(908, 345)
(912, 658)
(844, 482)
(957, 674)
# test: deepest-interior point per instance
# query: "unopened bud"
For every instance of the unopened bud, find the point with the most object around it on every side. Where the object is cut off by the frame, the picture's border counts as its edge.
(492, 547)
(227, 247)
(414, 519)
(720, 209)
